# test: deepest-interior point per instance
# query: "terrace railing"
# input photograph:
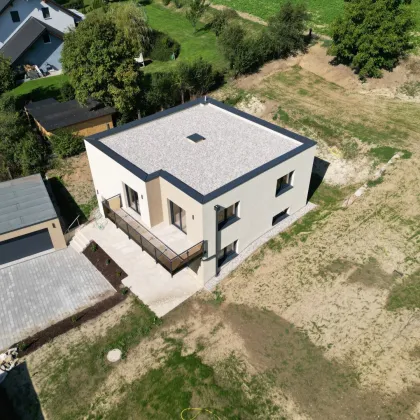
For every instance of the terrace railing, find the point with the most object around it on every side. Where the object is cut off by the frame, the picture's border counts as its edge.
(148, 242)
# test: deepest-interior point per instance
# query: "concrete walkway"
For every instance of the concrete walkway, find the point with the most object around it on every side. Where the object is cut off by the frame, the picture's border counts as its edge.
(39, 292)
(148, 280)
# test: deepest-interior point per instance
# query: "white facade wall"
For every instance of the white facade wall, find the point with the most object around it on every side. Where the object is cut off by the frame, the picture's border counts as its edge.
(257, 202)
(27, 8)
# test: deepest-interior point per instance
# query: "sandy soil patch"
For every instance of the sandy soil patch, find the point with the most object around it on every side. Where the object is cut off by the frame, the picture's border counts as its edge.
(243, 15)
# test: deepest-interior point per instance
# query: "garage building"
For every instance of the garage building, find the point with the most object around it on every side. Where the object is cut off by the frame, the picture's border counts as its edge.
(29, 224)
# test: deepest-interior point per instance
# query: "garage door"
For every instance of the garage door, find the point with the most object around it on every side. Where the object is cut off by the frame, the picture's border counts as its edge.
(24, 246)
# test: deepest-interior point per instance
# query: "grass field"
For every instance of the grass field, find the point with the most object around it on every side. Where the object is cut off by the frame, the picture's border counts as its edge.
(48, 87)
(202, 43)
(323, 12)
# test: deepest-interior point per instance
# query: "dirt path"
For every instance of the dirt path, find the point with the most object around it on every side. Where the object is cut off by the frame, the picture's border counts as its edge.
(243, 15)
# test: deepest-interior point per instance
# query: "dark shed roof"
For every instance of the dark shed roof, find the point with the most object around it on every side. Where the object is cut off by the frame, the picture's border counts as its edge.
(24, 202)
(53, 115)
(25, 36)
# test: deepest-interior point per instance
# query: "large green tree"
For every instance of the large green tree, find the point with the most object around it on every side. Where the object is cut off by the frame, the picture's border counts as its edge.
(286, 29)
(98, 56)
(372, 35)
(196, 10)
(21, 151)
(7, 76)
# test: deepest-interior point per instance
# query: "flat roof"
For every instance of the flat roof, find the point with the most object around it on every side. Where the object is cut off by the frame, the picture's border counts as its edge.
(24, 202)
(235, 146)
(53, 115)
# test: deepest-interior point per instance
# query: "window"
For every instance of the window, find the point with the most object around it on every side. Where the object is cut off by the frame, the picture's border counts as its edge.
(279, 217)
(15, 16)
(226, 254)
(46, 38)
(227, 215)
(179, 217)
(46, 12)
(132, 199)
(284, 182)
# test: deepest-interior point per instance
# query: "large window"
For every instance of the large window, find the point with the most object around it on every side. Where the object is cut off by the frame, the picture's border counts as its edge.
(179, 217)
(227, 215)
(279, 217)
(15, 16)
(284, 183)
(226, 254)
(132, 199)
(46, 12)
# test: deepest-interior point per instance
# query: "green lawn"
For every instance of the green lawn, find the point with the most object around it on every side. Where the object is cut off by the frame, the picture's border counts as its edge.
(48, 87)
(203, 43)
(323, 12)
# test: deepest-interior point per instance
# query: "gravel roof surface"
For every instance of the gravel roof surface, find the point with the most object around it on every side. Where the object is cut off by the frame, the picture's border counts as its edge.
(232, 146)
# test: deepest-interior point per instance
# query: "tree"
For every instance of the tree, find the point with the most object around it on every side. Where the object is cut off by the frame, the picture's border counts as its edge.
(66, 92)
(221, 18)
(98, 56)
(7, 76)
(286, 29)
(372, 35)
(195, 10)
(65, 144)
(230, 42)
(21, 152)
(31, 154)
(160, 94)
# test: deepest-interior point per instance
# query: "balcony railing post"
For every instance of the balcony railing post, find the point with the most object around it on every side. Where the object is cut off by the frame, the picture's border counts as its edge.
(141, 243)
(155, 256)
(172, 270)
(128, 230)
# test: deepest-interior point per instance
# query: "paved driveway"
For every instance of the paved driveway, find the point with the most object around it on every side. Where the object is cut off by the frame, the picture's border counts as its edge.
(37, 293)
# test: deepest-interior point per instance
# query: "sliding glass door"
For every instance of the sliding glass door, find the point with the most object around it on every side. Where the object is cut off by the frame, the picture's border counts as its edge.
(133, 199)
(179, 217)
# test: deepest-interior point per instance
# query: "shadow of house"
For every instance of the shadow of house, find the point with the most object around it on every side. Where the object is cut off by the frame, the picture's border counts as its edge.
(18, 398)
(67, 206)
(319, 169)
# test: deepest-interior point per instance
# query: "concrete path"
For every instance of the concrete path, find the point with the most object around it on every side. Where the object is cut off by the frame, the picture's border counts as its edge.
(37, 293)
(146, 279)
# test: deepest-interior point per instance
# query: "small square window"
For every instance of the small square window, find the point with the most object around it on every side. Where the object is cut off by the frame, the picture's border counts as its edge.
(284, 182)
(15, 16)
(46, 12)
(46, 38)
(227, 215)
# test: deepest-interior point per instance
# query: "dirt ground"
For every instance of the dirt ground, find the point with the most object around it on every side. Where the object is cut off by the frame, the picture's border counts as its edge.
(309, 316)
(75, 174)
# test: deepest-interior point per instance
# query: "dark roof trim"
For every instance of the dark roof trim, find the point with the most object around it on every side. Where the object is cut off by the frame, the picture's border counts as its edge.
(95, 141)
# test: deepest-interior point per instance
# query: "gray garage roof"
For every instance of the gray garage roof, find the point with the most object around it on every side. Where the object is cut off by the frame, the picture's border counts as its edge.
(233, 144)
(24, 202)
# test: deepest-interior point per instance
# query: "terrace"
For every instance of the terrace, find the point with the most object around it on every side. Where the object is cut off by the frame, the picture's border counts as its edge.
(154, 241)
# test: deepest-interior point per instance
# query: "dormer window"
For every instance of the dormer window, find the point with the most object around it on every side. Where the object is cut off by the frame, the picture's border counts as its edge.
(15, 16)
(46, 12)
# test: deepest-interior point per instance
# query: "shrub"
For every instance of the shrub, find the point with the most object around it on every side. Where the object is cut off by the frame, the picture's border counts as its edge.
(179, 4)
(94, 247)
(66, 92)
(230, 41)
(10, 102)
(65, 144)
(166, 2)
(7, 75)
(163, 47)
(74, 4)
(221, 18)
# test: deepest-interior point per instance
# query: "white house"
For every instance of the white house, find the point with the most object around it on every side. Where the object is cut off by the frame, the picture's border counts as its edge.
(31, 31)
(196, 184)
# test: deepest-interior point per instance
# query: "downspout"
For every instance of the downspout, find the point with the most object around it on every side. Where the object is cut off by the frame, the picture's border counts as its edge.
(217, 245)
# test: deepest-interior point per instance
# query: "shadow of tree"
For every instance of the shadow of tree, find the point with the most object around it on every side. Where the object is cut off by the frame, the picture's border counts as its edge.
(18, 398)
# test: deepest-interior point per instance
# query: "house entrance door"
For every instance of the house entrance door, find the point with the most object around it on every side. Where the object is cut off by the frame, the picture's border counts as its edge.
(133, 199)
(179, 217)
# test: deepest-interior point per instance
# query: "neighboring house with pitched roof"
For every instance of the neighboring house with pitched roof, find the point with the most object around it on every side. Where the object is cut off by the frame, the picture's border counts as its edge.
(31, 31)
